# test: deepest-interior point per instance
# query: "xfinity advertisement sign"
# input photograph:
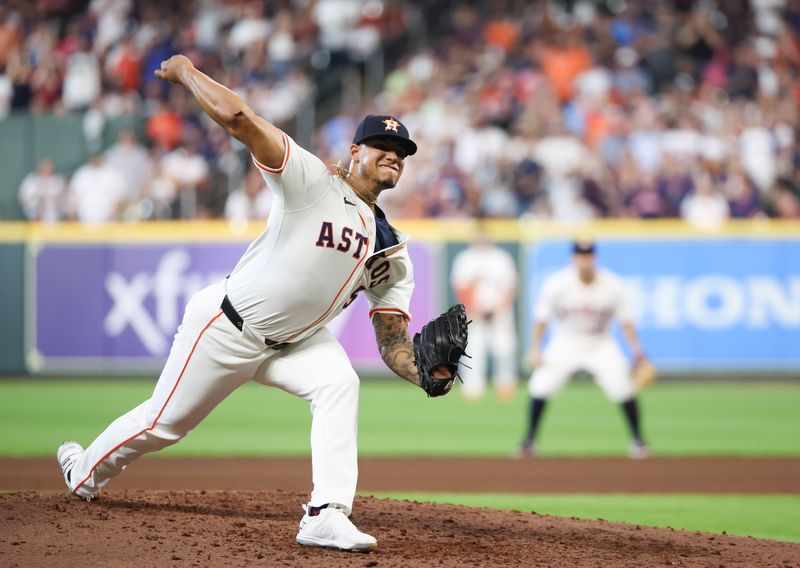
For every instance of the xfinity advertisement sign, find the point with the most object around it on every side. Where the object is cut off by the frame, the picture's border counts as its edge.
(700, 304)
(117, 307)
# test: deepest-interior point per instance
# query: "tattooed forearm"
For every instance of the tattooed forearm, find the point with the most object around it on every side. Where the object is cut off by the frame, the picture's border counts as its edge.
(395, 345)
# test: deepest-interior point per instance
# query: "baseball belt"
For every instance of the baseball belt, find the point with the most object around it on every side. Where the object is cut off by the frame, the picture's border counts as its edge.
(234, 317)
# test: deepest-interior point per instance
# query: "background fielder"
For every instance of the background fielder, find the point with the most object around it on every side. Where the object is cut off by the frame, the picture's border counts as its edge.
(325, 242)
(583, 299)
(484, 279)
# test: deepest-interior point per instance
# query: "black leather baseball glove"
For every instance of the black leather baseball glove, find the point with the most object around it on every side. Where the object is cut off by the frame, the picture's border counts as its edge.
(441, 342)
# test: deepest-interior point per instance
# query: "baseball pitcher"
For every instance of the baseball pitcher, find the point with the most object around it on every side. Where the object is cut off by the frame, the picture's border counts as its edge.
(326, 241)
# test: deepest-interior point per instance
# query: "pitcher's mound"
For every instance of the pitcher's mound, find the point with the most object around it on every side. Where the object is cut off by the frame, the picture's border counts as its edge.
(257, 528)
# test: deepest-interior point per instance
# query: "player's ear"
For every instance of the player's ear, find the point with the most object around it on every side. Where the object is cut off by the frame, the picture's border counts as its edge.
(355, 152)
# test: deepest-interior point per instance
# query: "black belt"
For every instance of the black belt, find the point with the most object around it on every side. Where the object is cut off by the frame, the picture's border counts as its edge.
(231, 313)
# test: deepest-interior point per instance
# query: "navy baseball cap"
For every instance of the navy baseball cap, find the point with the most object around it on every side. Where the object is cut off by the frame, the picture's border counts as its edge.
(583, 247)
(384, 126)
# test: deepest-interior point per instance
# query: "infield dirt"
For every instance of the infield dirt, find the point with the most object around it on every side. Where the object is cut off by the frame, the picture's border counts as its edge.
(142, 522)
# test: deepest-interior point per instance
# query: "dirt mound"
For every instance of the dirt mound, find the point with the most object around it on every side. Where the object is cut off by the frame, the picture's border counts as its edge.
(257, 528)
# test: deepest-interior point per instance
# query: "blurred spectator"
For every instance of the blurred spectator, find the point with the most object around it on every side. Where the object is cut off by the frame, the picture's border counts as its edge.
(97, 193)
(10, 33)
(124, 65)
(743, 196)
(562, 157)
(705, 208)
(21, 91)
(336, 20)
(133, 161)
(165, 128)
(111, 16)
(81, 78)
(42, 194)
(563, 61)
(251, 202)
(189, 171)
(160, 199)
(786, 201)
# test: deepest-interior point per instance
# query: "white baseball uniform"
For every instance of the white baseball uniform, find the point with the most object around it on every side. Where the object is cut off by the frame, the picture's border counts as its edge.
(322, 246)
(582, 341)
(488, 276)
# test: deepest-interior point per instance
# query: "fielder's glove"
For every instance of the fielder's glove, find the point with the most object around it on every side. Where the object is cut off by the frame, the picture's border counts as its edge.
(441, 342)
(644, 373)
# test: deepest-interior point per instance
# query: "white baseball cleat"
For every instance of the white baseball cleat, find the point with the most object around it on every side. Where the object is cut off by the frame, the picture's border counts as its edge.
(526, 449)
(638, 450)
(67, 454)
(332, 528)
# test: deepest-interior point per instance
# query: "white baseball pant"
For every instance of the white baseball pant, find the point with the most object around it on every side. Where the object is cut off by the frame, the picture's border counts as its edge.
(495, 337)
(600, 356)
(210, 358)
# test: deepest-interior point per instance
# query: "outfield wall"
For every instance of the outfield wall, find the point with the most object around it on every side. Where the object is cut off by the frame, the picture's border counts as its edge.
(108, 300)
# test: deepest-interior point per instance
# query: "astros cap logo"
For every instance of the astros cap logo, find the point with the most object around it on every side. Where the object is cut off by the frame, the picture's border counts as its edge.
(391, 124)
(383, 126)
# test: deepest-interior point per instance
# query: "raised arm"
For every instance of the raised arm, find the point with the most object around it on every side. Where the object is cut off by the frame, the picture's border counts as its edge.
(397, 351)
(264, 140)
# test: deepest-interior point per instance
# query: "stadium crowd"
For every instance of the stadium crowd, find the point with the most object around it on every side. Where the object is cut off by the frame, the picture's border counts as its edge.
(97, 58)
(550, 110)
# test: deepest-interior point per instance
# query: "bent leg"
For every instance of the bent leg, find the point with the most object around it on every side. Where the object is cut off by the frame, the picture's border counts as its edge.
(611, 371)
(318, 370)
(208, 360)
(559, 362)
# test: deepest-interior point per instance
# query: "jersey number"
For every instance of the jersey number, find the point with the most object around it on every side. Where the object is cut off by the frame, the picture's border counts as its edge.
(378, 268)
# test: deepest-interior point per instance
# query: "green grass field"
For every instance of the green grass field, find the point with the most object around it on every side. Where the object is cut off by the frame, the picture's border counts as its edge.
(680, 419)
(760, 516)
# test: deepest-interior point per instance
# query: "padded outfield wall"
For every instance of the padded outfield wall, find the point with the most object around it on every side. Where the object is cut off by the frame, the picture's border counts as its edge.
(107, 301)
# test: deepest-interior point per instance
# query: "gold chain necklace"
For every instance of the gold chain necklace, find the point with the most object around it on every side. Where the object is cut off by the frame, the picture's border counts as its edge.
(354, 183)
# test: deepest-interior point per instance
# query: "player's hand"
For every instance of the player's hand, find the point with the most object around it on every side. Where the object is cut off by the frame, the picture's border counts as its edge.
(172, 69)
(441, 372)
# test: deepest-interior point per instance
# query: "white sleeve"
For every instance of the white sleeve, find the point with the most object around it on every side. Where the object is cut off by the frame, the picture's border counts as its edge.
(392, 294)
(545, 306)
(301, 179)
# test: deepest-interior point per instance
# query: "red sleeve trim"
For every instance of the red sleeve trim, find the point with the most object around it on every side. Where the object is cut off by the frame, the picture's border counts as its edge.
(287, 151)
(396, 251)
(390, 311)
